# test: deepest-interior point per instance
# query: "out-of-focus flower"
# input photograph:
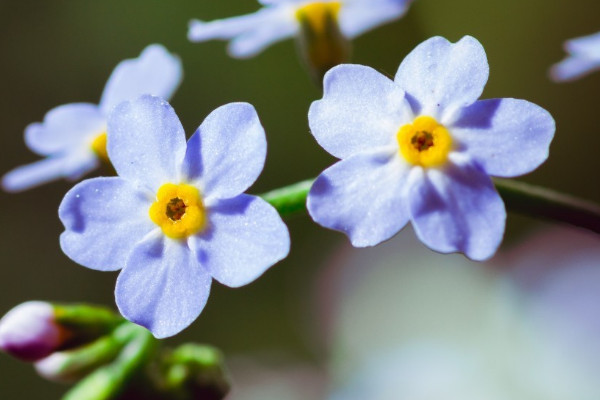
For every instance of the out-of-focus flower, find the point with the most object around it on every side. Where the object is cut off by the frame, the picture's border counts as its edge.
(175, 217)
(72, 137)
(30, 331)
(422, 148)
(399, 322)
(583, 58)
(281, 19)
(36, 329)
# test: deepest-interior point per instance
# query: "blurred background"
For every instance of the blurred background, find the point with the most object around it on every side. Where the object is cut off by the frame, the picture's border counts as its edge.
(58, 52)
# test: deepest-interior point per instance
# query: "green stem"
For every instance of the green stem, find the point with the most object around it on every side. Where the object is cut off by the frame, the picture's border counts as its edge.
(518, 196)
(76, 363)
(106, 382)
(536, 201)
(290, 199)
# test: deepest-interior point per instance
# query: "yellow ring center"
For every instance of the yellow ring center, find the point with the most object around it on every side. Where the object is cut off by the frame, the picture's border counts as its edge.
(178, 210)
(425, 142)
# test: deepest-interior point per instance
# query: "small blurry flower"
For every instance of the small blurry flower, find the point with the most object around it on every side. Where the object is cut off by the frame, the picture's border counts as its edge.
(36, 329)
(175, 217)
(422, 148)
(583, 58)
(72, 137)
(281, 19)
(30, 332)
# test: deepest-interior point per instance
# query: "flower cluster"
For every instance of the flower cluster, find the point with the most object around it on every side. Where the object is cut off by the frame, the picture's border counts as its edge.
(419, 148)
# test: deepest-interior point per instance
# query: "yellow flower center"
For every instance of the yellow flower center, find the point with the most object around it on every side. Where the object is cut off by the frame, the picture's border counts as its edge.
(178, 210)
(99, 147)
(425, 142)
(317, 14)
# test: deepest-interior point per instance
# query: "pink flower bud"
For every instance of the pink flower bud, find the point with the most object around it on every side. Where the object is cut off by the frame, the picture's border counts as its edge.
(29, 331)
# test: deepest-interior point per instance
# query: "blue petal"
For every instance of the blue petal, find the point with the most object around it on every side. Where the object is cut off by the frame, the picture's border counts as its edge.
(71, 166)
(585, 45)
(65, 127)
(245, 238)
(358, 17)
(227, 152)
(253, 42)
(162, 287)
(442, 77)
(104, 218)
(573, 67)
(362, 196)
(508, 137)
(251, 32)
(361, 110)
(457, 209)
(155, 71)
(146, 142)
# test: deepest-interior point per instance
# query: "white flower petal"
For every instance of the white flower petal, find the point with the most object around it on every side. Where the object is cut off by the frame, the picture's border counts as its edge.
(71, 166)
(104, 218)
(361, 110)
(441, 77)
(357, 17)
(362, 196)
(65, 127)
(227, 152)
(155, 71)
(245, 238)
(163, 287)
(146, 142)
(457, 209)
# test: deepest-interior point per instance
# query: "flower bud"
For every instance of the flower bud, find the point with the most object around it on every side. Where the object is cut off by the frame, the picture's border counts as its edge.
(30, 332)
(321, 43)
(196, 372)
(36, 329)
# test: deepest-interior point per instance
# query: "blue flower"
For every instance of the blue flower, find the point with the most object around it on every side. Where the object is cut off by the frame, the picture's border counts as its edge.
(73, 136)
(279, 19)
(422, 148)
(175, 217)
(583, 58)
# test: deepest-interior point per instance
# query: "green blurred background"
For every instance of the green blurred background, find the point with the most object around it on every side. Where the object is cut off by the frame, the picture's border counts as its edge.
(57, 52)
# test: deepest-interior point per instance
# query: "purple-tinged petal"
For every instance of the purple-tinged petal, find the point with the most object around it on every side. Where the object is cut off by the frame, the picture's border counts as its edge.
(573, 67)
(104, 218)
(65, 127)
(251, 33)
(246, 236)
(227, 152)
(361, 110)
(69, 166)
(253, 42)
(457, 209)
(508, 137)
(362, 196)
(155, 71)
(585, 45)
(360, 16)
(162, 288)
(146, 142)
(441, 77)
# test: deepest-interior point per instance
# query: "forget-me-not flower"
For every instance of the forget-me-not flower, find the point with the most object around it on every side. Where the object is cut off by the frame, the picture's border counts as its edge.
(583, 58)
(72, 137)
(422, 148)
(280, 19)
(175, 217)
